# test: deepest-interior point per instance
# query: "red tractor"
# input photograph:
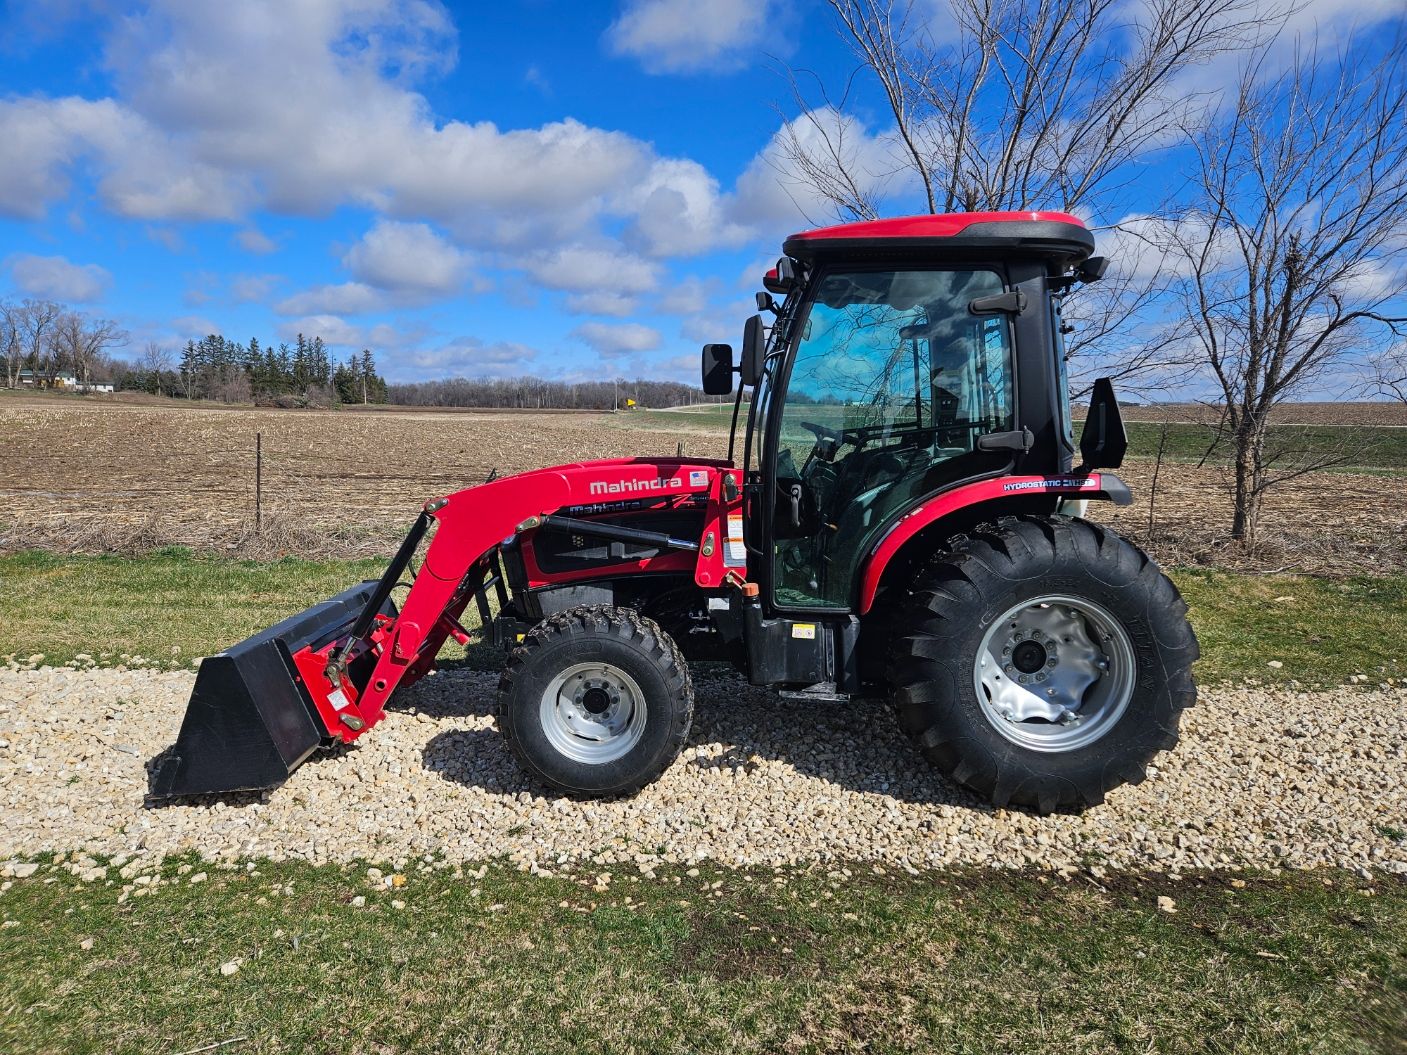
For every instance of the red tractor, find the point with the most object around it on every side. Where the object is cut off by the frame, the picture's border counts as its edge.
(900, 515)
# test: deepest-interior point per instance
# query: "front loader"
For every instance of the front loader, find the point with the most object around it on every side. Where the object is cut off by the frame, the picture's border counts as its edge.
(900, 515)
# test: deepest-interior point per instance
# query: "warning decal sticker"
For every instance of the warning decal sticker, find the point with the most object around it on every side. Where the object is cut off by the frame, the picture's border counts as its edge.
(735, 552)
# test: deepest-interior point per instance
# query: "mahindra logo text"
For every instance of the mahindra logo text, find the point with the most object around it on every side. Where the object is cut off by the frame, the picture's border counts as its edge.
(633, 487)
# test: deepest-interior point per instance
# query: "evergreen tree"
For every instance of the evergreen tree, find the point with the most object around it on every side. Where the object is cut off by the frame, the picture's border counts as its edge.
(367, 369)
(190, 369)
(319, 366)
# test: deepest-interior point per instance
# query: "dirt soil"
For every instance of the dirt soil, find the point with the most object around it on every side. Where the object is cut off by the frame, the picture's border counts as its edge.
(118, 477)
(123, 477)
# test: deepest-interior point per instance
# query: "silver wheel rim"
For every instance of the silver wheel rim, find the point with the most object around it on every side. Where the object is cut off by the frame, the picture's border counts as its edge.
(593, 713)
(1055, 673)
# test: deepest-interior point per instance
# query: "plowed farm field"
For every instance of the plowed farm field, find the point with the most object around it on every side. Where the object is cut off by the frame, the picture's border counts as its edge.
(86, 476)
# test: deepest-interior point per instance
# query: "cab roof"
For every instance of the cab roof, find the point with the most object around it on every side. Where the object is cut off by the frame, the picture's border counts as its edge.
(1059, 237)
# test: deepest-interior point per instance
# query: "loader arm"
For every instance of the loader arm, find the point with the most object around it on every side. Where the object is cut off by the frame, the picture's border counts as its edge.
(261, 707)
(470, 524)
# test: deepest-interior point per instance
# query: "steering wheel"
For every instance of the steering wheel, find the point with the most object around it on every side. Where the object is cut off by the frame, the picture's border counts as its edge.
(823, 432)
(828, 440)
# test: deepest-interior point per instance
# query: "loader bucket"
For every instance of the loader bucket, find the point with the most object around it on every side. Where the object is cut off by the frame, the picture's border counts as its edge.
(250, 721)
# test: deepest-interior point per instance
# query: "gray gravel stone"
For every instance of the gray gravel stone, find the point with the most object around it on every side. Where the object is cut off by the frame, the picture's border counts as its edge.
(1269, 778)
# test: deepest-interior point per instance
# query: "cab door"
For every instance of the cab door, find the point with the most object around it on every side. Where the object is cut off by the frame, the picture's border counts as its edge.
(892, 382)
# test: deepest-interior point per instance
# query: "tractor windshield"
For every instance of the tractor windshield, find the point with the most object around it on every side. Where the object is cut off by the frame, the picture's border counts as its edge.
(893, 380)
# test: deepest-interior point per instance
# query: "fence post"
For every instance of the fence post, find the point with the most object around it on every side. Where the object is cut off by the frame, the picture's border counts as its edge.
(258, 482)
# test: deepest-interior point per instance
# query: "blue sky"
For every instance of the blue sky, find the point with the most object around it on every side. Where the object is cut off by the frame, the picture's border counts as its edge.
(542, 186)
(570, 189)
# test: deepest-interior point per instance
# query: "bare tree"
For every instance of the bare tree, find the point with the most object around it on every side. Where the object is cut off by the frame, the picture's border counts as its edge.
(34, 322)
(1288, 247)
(1390, 373)
(11, 342)
(1022, 104)
(82, 343)
(1017, 104)
(155, 362)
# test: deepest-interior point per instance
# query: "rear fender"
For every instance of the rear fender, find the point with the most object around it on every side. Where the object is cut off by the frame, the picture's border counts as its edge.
(999, 493)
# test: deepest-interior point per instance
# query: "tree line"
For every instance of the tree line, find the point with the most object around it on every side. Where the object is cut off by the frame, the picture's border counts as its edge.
(42, 341)
(304, 374)
(536, 393)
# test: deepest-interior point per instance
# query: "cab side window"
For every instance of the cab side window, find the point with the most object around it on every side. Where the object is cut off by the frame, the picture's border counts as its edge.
(893, 381)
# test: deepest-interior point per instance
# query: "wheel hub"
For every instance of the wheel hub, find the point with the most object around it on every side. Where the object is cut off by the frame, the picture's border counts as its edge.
(596, 700)
(1028, 657)
(1054, 673)
(593, 712)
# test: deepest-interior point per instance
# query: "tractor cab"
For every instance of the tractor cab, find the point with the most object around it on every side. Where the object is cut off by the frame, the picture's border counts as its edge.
(906, 359)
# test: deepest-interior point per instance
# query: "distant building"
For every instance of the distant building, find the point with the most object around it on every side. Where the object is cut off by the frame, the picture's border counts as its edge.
(65, 382)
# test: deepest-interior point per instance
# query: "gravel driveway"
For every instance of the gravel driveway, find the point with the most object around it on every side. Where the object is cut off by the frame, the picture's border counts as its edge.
(1265, 778)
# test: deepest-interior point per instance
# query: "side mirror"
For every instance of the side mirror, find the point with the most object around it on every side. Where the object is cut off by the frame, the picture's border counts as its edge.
(753, 351)
(781, 279)
(1093, 269)
(1104, 441)
(717, 369)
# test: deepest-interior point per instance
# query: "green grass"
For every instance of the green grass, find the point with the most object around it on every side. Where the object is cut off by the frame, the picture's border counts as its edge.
(1321, 630)
(707, 418)
(1355, 447)
(168, 607)
(954, 962)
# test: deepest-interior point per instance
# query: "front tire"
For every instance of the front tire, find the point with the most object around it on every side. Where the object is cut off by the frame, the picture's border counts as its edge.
(1043, 662)
(596, 701)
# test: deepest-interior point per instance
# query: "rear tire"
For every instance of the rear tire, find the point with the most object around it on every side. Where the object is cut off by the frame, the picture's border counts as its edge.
(1073, 605)
(596, 701)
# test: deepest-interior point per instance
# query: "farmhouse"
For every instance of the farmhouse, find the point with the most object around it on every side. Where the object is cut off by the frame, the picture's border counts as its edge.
(63, 382)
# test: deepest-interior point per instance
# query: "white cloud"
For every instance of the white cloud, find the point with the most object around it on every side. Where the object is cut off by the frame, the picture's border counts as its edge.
(407, 258)
(678, 211)
(686, 36)
(166, 236)
(250, 289)
(56, 278)
(688, 296)
(712, 329)
(340, 333)
(602, 303)
(253, 240)
(594, 269)
(312, 99)
(622, 339)
(304, 106)
(464, 357)
(348, 298)
(1145, 248)
(193, 327)
(772, 195)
